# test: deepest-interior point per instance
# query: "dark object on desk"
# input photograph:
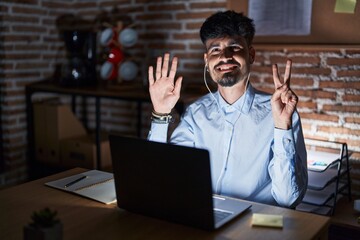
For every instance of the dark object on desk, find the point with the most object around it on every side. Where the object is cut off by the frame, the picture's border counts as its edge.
(169, 182)
(45, 226)
(80, 66)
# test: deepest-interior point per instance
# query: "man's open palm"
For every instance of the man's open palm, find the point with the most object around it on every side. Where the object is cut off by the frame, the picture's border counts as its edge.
(164, 90)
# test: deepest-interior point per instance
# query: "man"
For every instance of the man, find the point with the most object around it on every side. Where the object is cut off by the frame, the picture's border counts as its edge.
(255, 140)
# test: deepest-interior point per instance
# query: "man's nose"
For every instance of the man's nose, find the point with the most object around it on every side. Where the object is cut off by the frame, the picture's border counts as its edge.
(226, 54)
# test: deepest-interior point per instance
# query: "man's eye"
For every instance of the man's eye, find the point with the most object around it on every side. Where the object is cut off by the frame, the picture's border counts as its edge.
(236, 48)
(214, 50)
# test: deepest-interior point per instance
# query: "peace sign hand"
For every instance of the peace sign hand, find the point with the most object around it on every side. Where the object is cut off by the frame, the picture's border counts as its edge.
(284, 100)
(164, 91)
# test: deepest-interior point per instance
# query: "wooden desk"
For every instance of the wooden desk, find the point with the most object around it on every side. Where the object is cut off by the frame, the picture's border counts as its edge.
(344, 224)
(87, 219)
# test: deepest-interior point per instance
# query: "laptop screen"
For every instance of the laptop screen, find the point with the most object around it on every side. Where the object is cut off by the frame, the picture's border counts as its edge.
(162, 180)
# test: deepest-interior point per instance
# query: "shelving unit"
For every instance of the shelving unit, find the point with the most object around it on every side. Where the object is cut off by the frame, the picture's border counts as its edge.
(328, 178)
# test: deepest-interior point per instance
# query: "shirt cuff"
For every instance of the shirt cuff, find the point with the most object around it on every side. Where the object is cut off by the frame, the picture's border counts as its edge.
(284, 144)
(158, 132)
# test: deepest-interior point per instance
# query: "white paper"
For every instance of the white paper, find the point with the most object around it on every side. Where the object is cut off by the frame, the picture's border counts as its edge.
(279, 17)
(320, 160)
(97, 185)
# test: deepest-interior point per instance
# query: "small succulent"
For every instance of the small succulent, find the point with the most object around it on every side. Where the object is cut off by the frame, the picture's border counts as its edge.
(44, 218)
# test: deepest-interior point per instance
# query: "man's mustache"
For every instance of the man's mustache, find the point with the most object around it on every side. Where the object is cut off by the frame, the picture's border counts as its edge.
(227, 62)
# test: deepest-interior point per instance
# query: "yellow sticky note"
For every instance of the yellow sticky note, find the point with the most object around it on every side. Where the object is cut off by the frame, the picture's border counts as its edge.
(267, 220)
(345, 6)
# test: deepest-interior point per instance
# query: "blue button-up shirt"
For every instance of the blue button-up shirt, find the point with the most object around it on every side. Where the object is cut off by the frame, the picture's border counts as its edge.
(250, 158)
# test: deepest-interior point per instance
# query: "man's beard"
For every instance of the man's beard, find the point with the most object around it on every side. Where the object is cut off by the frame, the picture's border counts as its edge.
(228, 80)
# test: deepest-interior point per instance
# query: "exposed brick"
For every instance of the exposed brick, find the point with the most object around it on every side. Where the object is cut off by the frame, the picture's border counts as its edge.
(315, 137)
(29, 10)
(341, 108)
(339, 130)
(313, 49)
(21, 38)
(296, 60)
(57, 5)
(295, 81)
(191, 26)
(163, 26)
(20, 19)
(306, 126)
(22, 56)
(351, 51)
(339, 84)
(155, 17)
(13, 93)
(262, 69)
(167, 7)
(167, 46)
(190, 55)
(82, 5)
(348, 73)
(352, 97)
(4, 9)
(355, 120)
(350, 142)
(197, 47)
(32, 29)
(343, 61)
(186, 36)
(23, 75)
(32, 2)
(31, 65)
(316, 93)
(32, 47)
(308, 104)
(206, 5)
(319, 117)
(265, 89)
(311, 71)
(153, 36)
(192, 15)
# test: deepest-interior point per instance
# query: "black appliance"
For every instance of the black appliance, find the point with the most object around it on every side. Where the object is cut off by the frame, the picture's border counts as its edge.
(79, 69)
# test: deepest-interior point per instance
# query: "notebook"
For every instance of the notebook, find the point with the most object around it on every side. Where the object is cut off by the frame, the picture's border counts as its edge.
(94, 184)
(169, 182)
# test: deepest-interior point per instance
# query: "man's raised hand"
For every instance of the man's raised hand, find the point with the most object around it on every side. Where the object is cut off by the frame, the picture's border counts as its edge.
(164, 90)
(284, 100)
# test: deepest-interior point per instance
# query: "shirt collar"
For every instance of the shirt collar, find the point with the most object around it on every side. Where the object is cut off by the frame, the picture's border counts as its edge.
(243, 104)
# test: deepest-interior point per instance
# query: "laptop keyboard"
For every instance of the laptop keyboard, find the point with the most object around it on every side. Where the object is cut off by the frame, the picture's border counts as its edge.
(220, 215)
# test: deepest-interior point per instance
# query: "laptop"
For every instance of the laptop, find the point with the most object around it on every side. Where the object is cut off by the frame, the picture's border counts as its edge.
(169, 182)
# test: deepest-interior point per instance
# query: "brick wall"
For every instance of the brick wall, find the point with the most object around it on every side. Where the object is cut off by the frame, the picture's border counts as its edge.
(326, 78)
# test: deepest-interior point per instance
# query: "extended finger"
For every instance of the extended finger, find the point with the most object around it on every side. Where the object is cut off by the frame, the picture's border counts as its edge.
(287, 75)
(158, 68)
(276, 76)
(178, 86)
(173, 68)
(165, 66)
(151, 75)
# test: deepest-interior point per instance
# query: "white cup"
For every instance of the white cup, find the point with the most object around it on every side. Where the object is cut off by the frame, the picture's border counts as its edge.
(106, 37)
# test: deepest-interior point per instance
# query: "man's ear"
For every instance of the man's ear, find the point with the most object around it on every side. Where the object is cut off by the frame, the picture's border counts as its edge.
(251, 54)
(205, 59)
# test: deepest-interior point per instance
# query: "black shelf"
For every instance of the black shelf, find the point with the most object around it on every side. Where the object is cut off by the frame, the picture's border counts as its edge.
(327, 183)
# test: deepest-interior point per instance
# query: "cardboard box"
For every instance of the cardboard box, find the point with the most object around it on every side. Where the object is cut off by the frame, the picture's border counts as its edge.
(81, 152)
(53, 122)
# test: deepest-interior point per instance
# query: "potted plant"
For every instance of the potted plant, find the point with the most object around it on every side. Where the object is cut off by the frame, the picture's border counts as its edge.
(44, 226)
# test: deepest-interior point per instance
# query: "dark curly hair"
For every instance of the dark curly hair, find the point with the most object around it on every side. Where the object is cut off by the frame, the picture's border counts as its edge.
(228, 23)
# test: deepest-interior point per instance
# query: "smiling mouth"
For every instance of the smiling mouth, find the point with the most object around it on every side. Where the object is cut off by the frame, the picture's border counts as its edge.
(226, 68)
